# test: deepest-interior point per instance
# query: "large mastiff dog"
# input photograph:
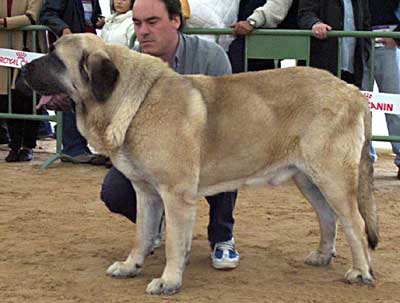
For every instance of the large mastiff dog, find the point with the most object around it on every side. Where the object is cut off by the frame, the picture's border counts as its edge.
(178, 138)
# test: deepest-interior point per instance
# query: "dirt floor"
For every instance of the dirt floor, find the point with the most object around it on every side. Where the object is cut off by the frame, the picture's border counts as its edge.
(57, 239)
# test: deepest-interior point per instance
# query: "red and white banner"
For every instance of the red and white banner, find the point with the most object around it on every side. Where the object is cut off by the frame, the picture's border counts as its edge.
(384, 103)
(16, 58)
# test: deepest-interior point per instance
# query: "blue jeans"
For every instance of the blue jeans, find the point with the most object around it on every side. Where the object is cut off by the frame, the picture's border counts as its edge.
(73, 142)
(44, 126)
(387, 77)
(119, 196)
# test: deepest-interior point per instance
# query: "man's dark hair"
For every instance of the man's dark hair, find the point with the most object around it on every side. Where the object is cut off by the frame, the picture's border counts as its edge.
(174, 8)
(113, 7)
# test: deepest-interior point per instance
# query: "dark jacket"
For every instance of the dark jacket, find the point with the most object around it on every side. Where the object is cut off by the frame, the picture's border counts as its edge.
(247, 7)
(290, 22)
(383, 13)
(60, 14)
(324, 53)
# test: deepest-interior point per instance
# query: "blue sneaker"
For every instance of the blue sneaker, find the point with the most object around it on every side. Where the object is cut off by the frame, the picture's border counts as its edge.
(224, 255)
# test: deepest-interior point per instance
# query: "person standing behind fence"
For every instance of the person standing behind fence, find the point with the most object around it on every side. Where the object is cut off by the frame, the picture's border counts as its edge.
(322, 16)
(118, 28)
(387, 72)
(212, 14)
(14, 14)
(255, 14)
(65, 17)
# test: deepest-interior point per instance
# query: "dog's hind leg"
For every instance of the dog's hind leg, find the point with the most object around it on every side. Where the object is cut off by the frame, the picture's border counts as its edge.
(149, 212)
(327, 221)
(338, 184)
(180, 213)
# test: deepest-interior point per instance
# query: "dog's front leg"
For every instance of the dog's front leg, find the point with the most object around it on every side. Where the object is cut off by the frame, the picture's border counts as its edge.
(180, 213)
(149, 212)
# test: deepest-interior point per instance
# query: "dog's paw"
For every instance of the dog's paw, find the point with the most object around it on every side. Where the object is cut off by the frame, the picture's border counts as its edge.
(354, 275)
(162, 287)
(316, 258)
(123, 270)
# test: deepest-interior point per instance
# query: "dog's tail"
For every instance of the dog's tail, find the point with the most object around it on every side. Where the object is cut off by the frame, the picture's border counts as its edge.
(366, 201)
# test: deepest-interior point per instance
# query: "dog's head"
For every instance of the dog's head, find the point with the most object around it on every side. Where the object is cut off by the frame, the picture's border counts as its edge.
(78, 65)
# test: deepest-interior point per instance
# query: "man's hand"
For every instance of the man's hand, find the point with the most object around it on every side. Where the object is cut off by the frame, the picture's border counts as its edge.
(100, 22)
(320, 30)
(388, 42)
(1, 21)
(241, 28)
(66, 31)
(59, 102)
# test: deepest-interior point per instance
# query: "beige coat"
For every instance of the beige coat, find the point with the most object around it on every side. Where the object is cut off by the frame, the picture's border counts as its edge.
(20, 10)
(271, 14)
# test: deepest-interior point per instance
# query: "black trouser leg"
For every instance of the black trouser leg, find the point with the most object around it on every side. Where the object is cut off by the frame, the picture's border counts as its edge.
(22, 132)
(30, 133)
(220, 227)
(118, 194)
(15, 130)
(4, 138)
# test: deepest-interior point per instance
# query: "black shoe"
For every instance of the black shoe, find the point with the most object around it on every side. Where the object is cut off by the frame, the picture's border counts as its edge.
(84, 158)
(13, 156)
(99, 160)
(4, 140)
(25, 154)
(108, 163)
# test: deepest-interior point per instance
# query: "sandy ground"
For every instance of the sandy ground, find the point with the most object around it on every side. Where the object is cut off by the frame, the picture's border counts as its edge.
(57, 239)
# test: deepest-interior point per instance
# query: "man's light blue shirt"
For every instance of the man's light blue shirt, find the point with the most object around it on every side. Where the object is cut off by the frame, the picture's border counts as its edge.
(199, 56)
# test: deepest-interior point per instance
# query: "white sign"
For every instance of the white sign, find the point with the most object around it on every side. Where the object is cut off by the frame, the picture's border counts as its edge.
(16, 58)
(384, 103)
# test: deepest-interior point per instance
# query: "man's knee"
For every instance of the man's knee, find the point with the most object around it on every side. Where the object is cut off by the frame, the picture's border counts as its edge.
(109, 198)
(118, 194)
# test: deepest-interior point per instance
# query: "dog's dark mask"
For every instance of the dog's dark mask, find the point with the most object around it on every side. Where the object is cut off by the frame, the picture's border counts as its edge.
(43, 79)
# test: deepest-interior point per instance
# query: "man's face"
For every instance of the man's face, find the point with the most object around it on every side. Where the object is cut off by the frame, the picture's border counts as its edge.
(154, 29)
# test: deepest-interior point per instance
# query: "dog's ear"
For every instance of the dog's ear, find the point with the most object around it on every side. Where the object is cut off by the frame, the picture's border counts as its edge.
(102, 74)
